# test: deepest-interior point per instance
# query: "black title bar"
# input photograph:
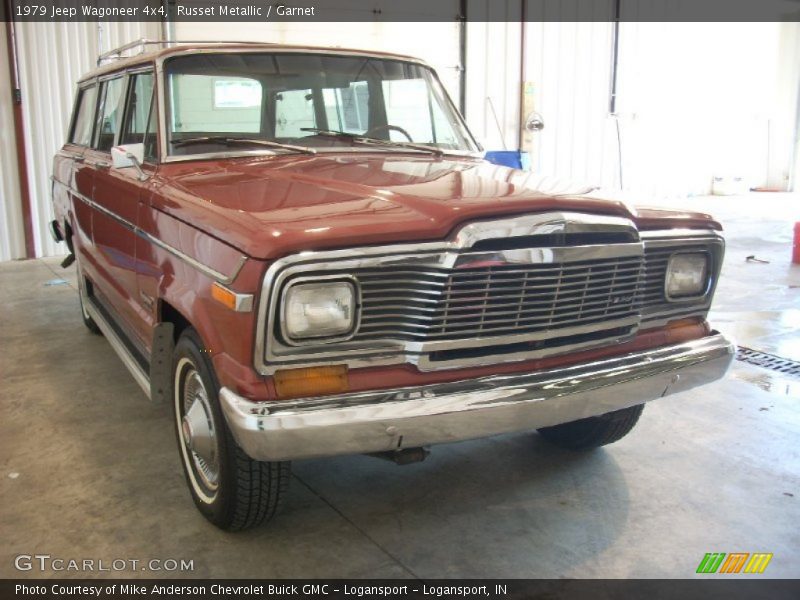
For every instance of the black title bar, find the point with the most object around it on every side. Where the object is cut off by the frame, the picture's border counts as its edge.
(299, 11)
(363, 589)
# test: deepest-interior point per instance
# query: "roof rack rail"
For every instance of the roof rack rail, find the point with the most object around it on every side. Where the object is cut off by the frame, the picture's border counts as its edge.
(143, 43)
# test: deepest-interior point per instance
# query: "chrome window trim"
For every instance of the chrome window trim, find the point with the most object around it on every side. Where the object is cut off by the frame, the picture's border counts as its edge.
(267, 360)
(95, 81)
(180, 48)
(112, 75)
(192, 262)
(75, 108)
(130, 74)
(102, 90)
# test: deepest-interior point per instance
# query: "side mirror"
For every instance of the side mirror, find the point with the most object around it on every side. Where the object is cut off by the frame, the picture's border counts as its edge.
(129, 155)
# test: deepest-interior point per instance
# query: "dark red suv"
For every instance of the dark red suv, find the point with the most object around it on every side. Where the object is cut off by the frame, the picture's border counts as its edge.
(303, 250)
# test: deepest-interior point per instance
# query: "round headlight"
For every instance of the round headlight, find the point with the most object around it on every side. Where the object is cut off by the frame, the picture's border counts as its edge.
(318, 310)
(687, 275)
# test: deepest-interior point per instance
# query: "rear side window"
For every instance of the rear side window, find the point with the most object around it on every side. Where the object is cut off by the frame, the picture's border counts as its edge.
(139, 117)
(110, 114)
(84, 117)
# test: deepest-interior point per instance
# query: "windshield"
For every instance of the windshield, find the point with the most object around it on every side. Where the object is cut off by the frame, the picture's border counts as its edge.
(233, 102)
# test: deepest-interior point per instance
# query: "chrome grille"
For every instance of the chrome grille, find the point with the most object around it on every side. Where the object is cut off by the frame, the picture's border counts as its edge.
(656, 260)
(495, 291)
(487, 300)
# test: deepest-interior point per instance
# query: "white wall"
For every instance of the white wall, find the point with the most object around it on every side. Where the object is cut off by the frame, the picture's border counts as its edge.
(437, 43)
(784, 148)
(703, 99)
(492, 77)
(570, 67)
(47, 93)
(695, 100)
(47, 79)
(12, 237)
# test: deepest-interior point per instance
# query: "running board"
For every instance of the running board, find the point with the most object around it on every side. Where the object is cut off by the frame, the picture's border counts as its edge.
(119, 346)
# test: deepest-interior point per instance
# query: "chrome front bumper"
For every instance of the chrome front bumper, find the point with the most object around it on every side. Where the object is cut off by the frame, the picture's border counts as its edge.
(385, 420)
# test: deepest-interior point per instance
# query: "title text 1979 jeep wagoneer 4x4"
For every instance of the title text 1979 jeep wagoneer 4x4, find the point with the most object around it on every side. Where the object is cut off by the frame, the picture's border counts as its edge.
(303, 251)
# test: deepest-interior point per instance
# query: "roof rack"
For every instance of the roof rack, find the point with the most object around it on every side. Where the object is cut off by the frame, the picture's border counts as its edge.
(142, 45)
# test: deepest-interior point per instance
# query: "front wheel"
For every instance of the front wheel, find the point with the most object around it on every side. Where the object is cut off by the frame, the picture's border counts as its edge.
(230, 489)
(593, 432)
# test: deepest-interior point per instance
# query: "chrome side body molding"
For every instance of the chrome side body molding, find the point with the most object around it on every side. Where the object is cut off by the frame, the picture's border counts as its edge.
(195, 264)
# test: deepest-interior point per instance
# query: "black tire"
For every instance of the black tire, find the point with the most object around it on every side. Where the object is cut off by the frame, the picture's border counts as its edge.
(593, 432)
(87, 320)
(245, 492)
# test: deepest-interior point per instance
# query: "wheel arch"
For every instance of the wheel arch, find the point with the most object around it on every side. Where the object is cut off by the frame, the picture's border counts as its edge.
(172, 321)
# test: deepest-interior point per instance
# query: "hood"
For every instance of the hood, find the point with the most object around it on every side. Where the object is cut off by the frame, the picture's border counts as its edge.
(277, 205)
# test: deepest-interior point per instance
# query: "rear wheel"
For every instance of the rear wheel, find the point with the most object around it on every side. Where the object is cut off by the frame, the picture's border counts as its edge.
(230, 489)
(83, 298)
(594, 432)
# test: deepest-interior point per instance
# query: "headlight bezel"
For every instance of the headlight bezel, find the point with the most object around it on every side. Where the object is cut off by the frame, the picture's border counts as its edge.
(708, 276)
(283, 327)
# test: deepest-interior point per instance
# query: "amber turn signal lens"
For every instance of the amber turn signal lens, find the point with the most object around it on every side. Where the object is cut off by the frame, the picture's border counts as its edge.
(313, 381)
(224, 296)
(685, 330)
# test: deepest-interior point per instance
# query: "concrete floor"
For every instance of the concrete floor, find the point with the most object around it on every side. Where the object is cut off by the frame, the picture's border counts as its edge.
(89, 468)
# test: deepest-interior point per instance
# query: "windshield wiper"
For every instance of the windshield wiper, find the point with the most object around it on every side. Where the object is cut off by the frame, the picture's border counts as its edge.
(229, 141)
(360, 139)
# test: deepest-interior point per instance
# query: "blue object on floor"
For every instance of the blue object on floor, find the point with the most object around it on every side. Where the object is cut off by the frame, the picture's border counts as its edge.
(515, 159)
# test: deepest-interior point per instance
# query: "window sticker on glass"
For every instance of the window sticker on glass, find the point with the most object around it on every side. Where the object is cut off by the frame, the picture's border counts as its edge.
(237, 93)
(294, 110)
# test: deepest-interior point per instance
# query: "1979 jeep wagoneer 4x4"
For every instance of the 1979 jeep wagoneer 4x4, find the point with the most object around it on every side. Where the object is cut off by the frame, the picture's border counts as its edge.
(303, 251)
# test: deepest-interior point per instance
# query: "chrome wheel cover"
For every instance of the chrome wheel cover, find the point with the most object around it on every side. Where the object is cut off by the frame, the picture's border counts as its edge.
(197, 431)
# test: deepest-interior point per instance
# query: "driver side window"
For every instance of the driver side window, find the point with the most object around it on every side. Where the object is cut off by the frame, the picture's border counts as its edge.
(110, 113)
